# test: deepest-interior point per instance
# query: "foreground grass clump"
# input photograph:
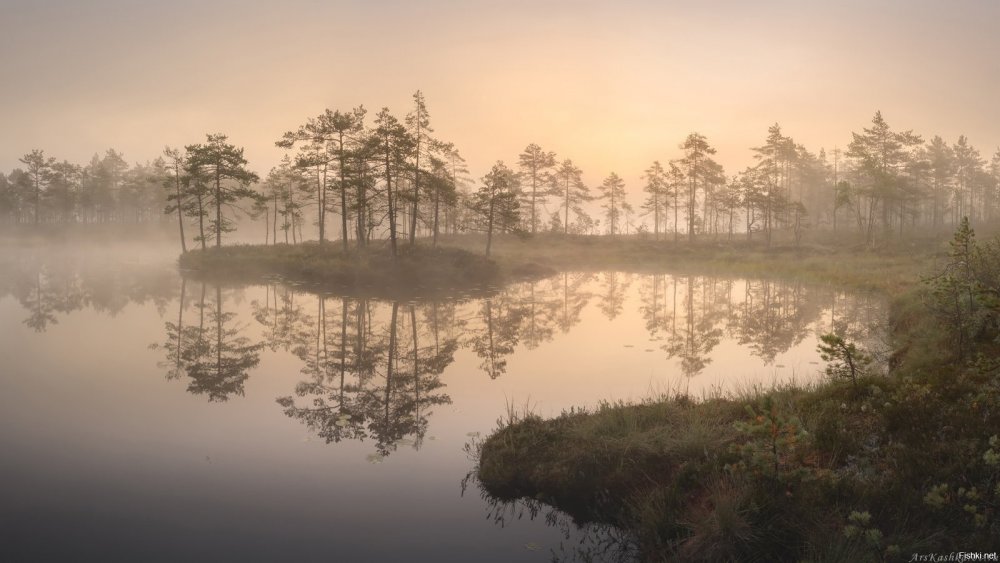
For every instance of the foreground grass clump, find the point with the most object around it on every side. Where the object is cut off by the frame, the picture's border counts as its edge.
(867, 468)
(417, 269)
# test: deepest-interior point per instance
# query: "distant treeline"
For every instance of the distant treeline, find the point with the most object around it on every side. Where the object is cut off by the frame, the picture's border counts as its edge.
(393, 179)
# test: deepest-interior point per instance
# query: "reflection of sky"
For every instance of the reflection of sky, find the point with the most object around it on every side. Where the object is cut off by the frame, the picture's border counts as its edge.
(611, 85)
(99, 448)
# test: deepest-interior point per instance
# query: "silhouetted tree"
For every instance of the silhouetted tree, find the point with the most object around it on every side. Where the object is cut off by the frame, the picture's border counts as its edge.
(699, 171)
(568, 184)
(536, 166)
(225, 168)
(495, 204)
(613, 193)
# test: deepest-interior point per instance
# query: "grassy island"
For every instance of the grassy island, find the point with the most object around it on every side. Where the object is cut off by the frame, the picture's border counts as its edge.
(459, 265)
(416, 271)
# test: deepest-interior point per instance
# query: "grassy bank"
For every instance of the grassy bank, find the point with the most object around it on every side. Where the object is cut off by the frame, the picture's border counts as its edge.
(872, 470)
(458, 264)
(889, 268)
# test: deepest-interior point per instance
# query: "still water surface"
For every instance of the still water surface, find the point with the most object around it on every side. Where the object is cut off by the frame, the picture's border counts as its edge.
(145, 416)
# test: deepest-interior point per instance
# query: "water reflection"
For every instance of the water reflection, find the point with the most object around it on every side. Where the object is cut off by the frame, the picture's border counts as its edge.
(373, 370)
(579, 541)
(401, 382)
(50, 287)
(212, 351)
(499, 331)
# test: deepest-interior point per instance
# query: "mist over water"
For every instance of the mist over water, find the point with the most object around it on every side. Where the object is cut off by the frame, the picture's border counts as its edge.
(148, 416)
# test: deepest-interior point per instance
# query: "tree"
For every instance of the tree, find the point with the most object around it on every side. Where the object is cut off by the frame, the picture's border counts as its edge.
(959, 298)
(195, 187)
(358, 174)
(446, 173)
(657, 188)
(775, 160)
(879, 154)
(109, 175)
(460, 179)
(325, 140)
(675, 183)
(613, 193)
(846, 360)
(394, 146)
(442, 191)
(63, 187)
(224, 166)
(39, 170)
(568, 183)
(8, 199)
(419, 125)
(177, 200)
(536, 166)
(699, 170)
(967, 163)
(279, 190)
(495, 204)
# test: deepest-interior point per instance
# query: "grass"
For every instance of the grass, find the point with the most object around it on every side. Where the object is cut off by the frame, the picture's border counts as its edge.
(890, 268)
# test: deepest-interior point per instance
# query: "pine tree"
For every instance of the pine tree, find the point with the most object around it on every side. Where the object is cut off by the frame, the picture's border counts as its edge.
(568, 185)
(613, 193)
(536, 166)
(495, 204)
(657, 188)
(223, 165)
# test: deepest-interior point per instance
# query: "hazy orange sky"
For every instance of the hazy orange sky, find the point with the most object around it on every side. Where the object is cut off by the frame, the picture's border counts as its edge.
(611, 85)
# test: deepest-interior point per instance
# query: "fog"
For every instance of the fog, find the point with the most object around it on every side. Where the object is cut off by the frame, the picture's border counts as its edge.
(557, 281)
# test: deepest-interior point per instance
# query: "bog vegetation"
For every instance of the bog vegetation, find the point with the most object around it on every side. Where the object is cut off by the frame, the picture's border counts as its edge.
(875, 464)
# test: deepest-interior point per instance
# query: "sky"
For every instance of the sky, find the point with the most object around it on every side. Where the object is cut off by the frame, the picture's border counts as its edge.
(612, 86)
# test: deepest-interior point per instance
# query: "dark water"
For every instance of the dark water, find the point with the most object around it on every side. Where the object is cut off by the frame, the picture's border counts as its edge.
(148, 417)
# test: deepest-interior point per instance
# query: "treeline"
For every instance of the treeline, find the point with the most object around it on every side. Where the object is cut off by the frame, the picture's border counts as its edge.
(886, 182)
(106, 190)
(391, 179)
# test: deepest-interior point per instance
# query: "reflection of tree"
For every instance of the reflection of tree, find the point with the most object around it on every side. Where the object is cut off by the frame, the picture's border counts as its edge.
(42, 302)
(613, 294)
(654, 305)
(284, 321)
(366, 381)
(773, 317)
(444, 321)
(173, 346)
(53, 284)
(335, 411)
(539, 315)
(858, 318)
(408, 389)
(699, 332)
(499, 334)
(574, 299)
(217, 358)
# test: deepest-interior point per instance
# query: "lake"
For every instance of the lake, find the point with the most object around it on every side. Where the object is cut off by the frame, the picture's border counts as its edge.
(148, 416)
